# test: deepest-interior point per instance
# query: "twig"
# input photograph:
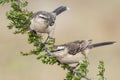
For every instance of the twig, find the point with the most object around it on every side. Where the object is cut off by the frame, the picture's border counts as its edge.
(85, 77)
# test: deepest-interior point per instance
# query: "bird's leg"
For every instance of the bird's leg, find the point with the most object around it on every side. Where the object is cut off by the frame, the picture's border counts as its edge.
(71, 68)
(43, 44)
(85, 77)
(46, 39)
(74, 70)
(77, 65)
(33, 31)
(47, 50)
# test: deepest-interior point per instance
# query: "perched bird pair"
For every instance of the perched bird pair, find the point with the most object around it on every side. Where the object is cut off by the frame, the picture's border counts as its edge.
(69, 53)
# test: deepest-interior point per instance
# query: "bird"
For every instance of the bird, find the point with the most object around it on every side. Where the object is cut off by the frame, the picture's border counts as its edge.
(72, 52)
(43, 21)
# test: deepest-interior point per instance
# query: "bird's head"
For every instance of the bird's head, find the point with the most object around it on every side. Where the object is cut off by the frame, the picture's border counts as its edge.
(45, 16)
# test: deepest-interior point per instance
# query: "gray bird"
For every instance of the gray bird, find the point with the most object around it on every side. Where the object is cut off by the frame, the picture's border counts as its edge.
(72, 52)
(43, 21)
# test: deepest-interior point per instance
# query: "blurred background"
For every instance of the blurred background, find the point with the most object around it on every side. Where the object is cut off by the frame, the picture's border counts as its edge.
(98, 20)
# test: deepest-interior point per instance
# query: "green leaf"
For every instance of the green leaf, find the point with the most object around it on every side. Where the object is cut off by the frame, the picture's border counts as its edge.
(24, 4)
(76, 77)
(3, 1)
(50, 41)
(15, 6)
(69, 76)
(101, 70)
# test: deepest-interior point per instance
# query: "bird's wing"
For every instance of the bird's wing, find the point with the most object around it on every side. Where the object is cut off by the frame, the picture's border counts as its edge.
(73, 47)
(77, 46)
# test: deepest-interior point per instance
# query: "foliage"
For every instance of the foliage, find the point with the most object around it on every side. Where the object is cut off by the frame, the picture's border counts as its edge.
(4, 1)
(101, 71)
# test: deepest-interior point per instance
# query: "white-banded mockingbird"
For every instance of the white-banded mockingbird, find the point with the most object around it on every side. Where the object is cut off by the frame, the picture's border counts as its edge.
(43, 21)
(72, 52)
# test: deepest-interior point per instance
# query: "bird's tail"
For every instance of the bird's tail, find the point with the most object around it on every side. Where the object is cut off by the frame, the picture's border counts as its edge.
(60, 9)
(101, 44)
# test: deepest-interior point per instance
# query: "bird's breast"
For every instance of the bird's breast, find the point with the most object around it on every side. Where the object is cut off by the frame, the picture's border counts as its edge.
(65, 57)
(71, 59)
(39, 26)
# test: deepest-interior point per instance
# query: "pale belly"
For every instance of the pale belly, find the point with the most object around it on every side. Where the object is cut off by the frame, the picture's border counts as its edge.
(65, 57)
(71, 59)
(39, 26)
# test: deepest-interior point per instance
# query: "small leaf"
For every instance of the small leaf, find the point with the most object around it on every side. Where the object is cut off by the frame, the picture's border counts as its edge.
(3, 1)
(101, 70)
(24, 4)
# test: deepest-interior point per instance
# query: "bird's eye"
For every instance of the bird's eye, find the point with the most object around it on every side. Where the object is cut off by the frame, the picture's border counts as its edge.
(42, 16)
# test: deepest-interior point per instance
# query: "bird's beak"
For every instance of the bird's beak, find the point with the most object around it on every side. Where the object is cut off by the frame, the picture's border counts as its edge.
(51, 22)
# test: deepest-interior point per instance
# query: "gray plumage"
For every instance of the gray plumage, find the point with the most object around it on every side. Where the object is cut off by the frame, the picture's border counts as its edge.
(78, 46)
(60, 10)
(43, 21)
(102, 44)
(50, 17)
(71, 52)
